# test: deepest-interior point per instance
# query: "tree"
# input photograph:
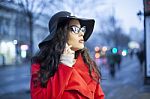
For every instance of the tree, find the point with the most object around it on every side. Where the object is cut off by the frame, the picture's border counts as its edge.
(82, 8)
(113, 33)
(32, 9)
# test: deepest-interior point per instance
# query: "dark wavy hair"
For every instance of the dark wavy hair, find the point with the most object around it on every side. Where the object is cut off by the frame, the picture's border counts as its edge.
(49, 55)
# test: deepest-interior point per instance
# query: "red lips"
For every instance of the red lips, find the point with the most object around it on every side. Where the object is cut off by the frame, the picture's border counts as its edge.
(81, 41)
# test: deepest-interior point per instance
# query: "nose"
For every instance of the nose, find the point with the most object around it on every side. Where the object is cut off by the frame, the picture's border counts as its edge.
(81, 33)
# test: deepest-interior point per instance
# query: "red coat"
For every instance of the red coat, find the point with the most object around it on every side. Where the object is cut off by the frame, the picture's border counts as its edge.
(67, 83)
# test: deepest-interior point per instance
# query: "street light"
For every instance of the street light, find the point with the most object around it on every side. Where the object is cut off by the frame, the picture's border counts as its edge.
(140, 14)
(97, 52)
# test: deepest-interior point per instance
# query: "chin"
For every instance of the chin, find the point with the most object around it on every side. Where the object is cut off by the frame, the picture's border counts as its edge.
(80, 47)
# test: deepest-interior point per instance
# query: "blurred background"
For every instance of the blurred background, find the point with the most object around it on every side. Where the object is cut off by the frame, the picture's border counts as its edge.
(118, 43)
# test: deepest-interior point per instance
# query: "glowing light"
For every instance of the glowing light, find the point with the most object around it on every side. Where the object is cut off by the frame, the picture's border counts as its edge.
(133, 45)
(3, 47)
(15, 41)
(114, 50)
(104, 48)
(97, 48)
(24, 47)
(97, 55)
(124, 52)
(9, 44)
(23, 54)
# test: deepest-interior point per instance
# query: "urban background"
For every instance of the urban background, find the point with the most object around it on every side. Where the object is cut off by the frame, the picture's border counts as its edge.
(117, 43)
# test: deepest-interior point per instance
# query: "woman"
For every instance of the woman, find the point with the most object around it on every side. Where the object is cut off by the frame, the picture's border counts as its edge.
(63, 69)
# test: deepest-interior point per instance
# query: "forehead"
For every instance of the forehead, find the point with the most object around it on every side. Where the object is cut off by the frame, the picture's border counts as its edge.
(74, 22)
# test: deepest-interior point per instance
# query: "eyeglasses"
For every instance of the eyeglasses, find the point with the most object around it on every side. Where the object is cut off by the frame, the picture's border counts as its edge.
(75, 29)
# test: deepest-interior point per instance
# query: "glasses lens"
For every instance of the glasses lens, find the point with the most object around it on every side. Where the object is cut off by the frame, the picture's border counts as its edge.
(83, 29)
(75, 29)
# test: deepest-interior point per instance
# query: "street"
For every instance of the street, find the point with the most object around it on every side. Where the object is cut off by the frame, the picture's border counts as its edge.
(128, 83)
(14, 79)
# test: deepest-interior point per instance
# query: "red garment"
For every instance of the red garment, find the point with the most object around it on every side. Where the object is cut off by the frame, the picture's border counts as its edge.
(67, 83)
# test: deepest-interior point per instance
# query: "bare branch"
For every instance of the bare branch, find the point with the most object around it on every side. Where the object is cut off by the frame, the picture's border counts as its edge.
(27, 4)
(32, 5)
(41, 10)
(37, 6)
(21, 4)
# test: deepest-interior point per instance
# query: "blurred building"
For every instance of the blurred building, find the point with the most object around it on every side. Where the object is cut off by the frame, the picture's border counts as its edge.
(147, 40)
(136, 35)
(14, 34)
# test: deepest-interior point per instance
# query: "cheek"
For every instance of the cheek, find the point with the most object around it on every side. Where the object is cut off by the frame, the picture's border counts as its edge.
(72, 41)
(75, 43)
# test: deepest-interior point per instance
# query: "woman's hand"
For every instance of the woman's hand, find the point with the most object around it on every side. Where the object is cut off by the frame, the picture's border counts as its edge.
(67, 57)
(68, 50)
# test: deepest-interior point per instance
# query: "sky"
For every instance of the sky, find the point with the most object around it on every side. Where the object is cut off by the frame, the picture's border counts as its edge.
(126, 11)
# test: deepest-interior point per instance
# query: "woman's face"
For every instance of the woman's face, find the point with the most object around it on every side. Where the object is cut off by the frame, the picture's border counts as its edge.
(75, 35)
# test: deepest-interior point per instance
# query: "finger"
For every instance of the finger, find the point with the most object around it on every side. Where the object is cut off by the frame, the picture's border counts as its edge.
(67, 48)
(72, 52)
(70, 46)
(66, 45)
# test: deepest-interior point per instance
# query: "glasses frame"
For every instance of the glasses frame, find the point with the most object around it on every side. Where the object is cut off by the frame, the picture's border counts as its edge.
(75, 29)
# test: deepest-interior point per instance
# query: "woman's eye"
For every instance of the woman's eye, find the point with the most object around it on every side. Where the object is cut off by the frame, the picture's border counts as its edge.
(83, 29)
(75, 29)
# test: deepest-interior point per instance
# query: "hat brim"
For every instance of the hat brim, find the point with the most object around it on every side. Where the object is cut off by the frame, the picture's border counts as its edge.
(89, 23)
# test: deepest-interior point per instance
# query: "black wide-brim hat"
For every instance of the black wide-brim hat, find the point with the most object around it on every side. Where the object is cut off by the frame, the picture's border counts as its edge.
(63, 16)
